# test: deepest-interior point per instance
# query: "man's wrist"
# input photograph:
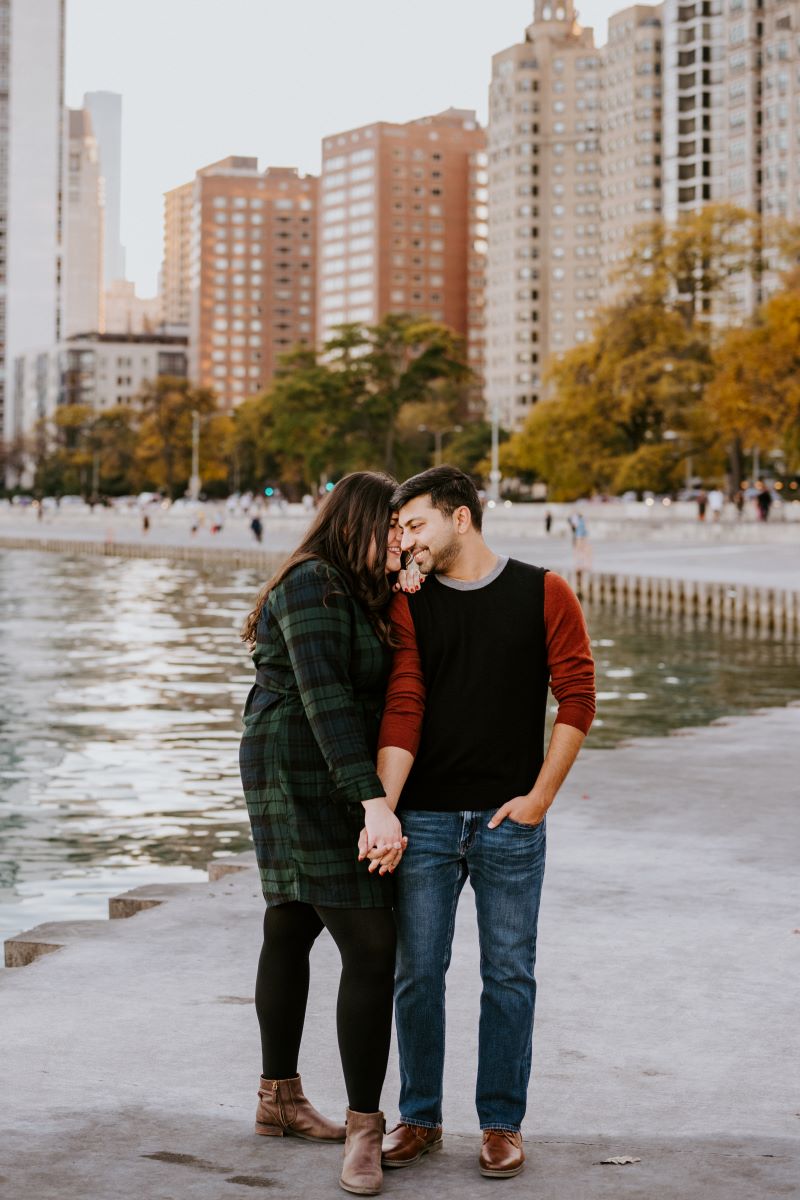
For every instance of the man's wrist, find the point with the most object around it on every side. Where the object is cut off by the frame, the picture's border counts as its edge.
(538, 798)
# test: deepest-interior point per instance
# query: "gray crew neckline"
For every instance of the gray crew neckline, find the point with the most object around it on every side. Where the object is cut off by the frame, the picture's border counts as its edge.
(474, 585)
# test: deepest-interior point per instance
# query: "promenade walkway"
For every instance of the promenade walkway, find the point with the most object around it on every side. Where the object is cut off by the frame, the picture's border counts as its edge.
(667, 1017)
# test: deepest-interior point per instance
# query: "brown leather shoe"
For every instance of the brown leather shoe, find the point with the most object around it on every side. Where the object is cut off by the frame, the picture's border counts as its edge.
(405, 1144)
(501, 1154)
(283, 1111)
(361, 1168)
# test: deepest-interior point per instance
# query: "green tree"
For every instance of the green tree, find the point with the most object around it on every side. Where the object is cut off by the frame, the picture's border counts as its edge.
(402, 361)
(355, 405)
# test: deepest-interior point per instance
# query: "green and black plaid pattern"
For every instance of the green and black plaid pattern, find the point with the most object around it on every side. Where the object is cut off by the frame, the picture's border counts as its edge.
(307, 756)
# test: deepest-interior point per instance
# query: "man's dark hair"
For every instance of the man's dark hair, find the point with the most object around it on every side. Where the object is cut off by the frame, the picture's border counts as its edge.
(448, 489)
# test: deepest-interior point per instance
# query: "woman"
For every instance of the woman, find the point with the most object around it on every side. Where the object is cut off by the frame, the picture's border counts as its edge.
(322, 650)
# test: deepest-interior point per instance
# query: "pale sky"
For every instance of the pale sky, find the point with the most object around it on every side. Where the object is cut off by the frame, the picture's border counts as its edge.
(202, 79)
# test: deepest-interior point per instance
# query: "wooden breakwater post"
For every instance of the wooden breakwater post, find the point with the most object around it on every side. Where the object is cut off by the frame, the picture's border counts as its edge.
(742, 607)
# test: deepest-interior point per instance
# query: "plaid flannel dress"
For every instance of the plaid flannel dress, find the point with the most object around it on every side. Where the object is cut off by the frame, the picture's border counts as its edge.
(307, 755)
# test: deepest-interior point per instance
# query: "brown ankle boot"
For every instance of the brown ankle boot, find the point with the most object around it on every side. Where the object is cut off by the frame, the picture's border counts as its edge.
(361, 1169)
(284, 1111)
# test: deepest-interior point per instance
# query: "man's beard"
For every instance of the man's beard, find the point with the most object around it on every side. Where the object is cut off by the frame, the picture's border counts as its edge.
(443, 559)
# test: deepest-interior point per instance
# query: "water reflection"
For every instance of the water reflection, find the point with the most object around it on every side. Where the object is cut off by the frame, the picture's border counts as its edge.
(121, 685)
(655, 674)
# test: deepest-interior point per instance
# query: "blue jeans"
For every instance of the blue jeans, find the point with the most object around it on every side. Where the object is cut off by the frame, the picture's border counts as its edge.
(505, 867)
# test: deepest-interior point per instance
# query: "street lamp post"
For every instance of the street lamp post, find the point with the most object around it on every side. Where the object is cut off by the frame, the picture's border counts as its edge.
(670, 435)
(194, 481)
(494, 473)
(438, 435)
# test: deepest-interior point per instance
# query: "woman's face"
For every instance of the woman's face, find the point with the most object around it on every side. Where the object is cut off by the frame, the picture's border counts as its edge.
(393, 554)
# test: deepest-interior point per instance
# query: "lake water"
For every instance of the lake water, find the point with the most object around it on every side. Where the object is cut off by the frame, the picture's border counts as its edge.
(121, 687)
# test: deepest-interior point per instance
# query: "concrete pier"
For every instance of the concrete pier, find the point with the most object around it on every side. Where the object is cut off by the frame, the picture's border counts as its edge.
(666, 1022)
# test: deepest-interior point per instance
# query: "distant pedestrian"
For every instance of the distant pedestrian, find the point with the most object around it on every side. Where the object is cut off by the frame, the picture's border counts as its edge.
(572, 521)
(581, 546)
(257, 528)
(702, 504)
(145, 524)
(763, 501)
(738, 501)
(548, 521)
(716, 503)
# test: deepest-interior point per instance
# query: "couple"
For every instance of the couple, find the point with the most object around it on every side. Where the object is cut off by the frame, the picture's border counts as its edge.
(444, 687)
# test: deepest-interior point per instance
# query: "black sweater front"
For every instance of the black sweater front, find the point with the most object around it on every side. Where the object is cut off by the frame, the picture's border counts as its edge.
(484, 659)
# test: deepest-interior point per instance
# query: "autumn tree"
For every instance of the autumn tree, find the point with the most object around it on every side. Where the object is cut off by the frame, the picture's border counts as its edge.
(755, 394)
(690, 265)
(615, 399)
(64, 455)
(164, 414)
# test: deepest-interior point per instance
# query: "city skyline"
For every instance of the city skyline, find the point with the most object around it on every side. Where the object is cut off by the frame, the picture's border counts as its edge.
(133, 52)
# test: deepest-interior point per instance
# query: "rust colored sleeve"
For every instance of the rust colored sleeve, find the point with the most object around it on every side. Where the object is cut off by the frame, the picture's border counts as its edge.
(405, 696)
(569, 654)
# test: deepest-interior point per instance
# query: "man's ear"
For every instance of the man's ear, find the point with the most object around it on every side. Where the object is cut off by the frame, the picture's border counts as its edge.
(463, 519)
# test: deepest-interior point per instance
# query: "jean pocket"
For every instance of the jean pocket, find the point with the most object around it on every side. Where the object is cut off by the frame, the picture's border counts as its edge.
(524, 825)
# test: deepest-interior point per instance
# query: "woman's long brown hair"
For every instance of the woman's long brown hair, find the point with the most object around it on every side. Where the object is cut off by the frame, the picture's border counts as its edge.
(358, 510)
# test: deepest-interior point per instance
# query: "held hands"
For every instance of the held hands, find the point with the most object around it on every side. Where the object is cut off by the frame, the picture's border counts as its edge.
(381, 840)
(525, 810)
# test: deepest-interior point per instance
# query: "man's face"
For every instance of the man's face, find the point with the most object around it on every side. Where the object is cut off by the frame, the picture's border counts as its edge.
(429, 534)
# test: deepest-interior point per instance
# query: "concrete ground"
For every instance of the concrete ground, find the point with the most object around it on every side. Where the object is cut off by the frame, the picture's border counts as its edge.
(667, 1022)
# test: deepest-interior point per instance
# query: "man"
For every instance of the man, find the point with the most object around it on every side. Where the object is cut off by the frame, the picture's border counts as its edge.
(486, 634)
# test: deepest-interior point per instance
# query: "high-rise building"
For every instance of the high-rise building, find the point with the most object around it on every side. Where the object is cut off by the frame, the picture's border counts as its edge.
(176, 272)
(403, 213)
(100, 370)
(544, 273)
(106, 113)
(780, 129)
(253, 261)
(732, 118)
(631, 135)
(125, 312)
(83, 241)
(761, 137)
(31, 180)
(693, 148)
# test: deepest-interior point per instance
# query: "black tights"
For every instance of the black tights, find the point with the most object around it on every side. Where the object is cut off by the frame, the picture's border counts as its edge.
(365, 938)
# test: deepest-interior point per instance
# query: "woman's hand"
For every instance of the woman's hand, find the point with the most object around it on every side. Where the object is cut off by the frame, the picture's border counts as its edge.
(409, 579)
(381, 860)
(381, 839)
